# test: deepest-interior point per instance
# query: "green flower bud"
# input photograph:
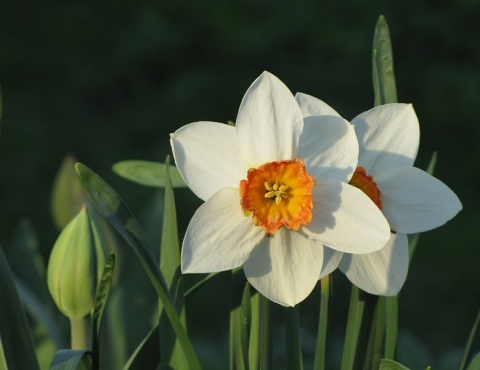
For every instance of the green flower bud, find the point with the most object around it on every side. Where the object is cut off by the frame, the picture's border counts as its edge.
(75, 265)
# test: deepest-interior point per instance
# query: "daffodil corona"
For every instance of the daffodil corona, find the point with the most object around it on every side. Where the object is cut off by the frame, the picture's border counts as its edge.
(411, 200)
(276, 192)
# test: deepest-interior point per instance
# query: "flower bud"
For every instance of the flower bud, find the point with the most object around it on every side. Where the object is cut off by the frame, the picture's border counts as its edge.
(75, 265)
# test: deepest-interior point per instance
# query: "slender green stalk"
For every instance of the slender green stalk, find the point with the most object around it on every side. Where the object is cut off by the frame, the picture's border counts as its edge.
(79, 333)
(354, 323)
(391, 328)
(376, 335)
(294, 347)
(319, 363)
(265, 333)
(468, 346)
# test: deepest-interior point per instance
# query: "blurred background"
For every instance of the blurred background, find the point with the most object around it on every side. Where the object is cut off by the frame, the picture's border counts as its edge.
(108, 81)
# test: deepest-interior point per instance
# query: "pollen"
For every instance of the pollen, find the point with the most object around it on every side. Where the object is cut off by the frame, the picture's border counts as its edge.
(365, 183)
(278, 194)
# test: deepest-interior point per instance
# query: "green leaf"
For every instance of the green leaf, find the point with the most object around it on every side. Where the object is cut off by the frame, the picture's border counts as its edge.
(260, 350)
(382, 61)
(71, 360)
(16, 344)
(109, 204)
(147, 354)
(320, 351)
(201, 282)
(100, 301)
(468, 346)
(170, 350)
(240, 321)
(294, 348)
(475, 363)
(148, 173)
(26, 260)
(354, 323)
(391, 365)
(67, 195)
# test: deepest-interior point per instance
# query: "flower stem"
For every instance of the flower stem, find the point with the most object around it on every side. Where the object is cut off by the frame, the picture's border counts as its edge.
(322, 324)
(354, 323)
(468, 346)
(391, 329)
(265, 328)
(79, 333)
(294, 348)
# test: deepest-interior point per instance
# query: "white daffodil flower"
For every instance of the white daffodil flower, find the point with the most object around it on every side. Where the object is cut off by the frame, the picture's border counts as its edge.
(411, 200)
(275, 191)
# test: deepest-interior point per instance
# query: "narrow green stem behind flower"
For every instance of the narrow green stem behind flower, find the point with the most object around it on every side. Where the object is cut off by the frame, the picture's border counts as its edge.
(322, 324)
(354, 323)
(294, 347)
(79, 333)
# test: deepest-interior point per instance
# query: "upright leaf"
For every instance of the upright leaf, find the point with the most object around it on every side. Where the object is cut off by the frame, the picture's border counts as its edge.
(109, 204)
(170, 351)
(384, 85)
(17, 351)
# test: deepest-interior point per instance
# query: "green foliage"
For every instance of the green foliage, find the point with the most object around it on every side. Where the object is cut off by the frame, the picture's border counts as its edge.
(391, 365)
(72, 360)
(111, 206)
(170, 350)
(149, 173)
(17, 351)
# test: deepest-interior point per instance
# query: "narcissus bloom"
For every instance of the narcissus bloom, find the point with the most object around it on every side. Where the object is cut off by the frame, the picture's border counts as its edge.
(411, 200)
(275, 191)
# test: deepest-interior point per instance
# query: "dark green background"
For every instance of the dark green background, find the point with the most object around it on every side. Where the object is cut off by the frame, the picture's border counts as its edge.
(109, 80)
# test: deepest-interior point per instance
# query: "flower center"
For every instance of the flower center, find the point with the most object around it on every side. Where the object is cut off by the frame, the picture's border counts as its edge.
(278, 194)
(365, 183)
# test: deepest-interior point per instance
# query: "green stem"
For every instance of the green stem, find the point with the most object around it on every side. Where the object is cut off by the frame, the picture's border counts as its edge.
(391, 329)
(354, 323)
(79, 333)
(322, 324)
(468, 346)
(265, 327)
(376, 335)
(294, 348)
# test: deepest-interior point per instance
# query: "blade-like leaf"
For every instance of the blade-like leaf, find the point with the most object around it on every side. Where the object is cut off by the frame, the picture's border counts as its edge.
(148, 173)
(383, 75)
(147, 355)
(16, 344)
(240, 321)
(100, 301)
(67, 195)
(170, 350)
(391, 365)
(109, 204)
(475, 363)
(71, 360)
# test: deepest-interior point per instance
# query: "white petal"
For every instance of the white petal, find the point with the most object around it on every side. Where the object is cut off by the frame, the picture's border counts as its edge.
(312, 106)
(413, 201)
(388, 136)
(269, 122)
(345, 219)
(219, 237)
(208, 157)
(285, 267)
(329, 147)
(331, 259)
(382, 272)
